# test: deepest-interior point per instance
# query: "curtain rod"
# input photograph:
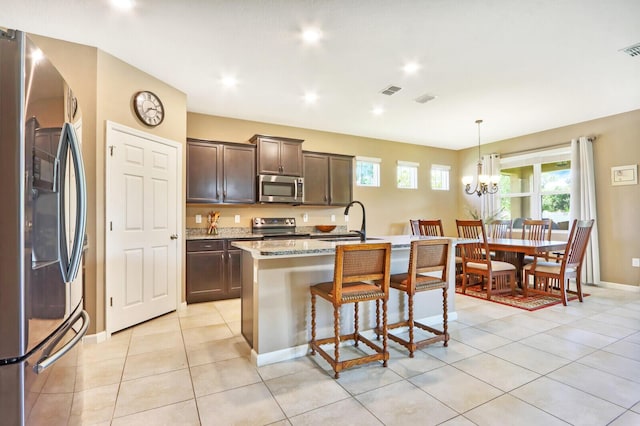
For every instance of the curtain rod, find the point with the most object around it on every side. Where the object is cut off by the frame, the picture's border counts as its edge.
(531, 151)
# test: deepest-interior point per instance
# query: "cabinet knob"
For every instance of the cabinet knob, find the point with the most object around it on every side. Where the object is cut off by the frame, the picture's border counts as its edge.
(174, 236)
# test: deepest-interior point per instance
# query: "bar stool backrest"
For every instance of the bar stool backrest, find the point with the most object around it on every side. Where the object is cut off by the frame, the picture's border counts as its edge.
(361, 262)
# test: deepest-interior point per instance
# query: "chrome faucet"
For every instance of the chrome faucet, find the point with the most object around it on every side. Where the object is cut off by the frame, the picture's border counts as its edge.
(363, 228)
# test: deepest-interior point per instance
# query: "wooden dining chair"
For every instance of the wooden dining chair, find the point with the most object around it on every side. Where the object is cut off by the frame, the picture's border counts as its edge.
(537, 230)
(427, 271)
(552, 275)
(432, 228)
(361, 273)
(499, 228)
(500, 276)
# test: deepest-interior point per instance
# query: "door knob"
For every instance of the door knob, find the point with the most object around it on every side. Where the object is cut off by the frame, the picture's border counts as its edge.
(174, 236)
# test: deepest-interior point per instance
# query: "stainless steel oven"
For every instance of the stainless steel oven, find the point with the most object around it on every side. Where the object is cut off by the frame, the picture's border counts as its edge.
(280, 189)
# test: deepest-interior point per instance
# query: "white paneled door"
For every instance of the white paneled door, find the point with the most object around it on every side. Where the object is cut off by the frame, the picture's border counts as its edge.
(142, 221)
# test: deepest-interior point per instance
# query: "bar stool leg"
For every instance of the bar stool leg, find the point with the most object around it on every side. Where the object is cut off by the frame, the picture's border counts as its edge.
(411, 344)
(445, 317)
(313, 323)
(336, 342)
(356, 320)
(385, 351)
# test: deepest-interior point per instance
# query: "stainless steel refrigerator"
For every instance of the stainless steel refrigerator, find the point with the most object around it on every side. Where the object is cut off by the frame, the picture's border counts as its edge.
(42, 223)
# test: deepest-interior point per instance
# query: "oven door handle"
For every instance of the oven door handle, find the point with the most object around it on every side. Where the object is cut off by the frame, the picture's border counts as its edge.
(48, 358)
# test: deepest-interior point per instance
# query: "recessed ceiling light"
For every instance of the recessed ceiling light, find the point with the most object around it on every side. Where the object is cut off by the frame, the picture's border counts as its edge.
(411, 67)
(310, 97)
(229, 81)
(311, 35)
(377, 110)
(122, 4)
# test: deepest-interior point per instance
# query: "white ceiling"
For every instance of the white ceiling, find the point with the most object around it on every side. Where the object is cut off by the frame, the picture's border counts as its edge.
(522, 66)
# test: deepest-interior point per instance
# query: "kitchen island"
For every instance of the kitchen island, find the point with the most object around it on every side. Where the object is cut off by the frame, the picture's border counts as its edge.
(277, 274)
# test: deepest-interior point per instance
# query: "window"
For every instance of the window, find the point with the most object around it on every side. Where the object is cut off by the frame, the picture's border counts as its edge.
(367, 171)
(407, 174)
(440, 177)
(537, 185)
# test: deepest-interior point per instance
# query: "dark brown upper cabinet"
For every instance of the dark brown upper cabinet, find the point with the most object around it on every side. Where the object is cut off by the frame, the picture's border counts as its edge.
(278, 156)
(220, 172)
(328, 179)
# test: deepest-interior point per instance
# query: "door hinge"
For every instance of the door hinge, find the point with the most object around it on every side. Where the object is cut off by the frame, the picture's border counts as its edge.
(111, 148)
(111, 301)
(110, 226)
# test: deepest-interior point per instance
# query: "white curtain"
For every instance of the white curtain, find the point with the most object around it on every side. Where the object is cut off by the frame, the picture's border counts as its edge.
(490, 203)
(583, 203)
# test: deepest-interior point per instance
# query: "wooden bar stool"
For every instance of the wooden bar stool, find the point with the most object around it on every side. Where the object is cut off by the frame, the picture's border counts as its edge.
(426, 257)
(361, 274)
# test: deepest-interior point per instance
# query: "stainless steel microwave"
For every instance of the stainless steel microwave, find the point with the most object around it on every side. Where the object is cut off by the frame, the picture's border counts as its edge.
(280, 189)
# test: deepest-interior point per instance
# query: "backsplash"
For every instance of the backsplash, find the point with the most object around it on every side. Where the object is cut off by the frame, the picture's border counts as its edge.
(315, 215)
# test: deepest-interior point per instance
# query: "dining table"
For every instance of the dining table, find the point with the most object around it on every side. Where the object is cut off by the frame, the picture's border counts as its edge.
(522, 248)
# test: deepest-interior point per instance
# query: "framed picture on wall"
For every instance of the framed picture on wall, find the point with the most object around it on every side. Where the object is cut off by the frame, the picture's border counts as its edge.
(624, 175)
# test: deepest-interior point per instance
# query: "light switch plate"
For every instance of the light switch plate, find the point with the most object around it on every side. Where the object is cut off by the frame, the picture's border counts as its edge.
(635, 262)
(198, 218)
(236, 218)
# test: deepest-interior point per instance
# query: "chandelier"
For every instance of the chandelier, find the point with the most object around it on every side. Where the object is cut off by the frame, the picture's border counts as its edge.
(485, 184)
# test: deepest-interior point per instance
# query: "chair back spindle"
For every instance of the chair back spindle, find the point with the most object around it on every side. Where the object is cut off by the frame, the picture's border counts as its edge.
(432, 228)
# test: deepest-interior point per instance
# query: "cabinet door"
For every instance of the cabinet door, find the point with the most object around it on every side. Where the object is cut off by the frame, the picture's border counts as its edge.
(204, 172)
(234, 273)
(205, 276)
(340, 180)
(239, 184)
(291, 158)
(316, 178)
(268, 156)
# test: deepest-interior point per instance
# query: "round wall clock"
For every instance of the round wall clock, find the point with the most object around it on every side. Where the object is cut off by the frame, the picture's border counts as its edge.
(148, 108)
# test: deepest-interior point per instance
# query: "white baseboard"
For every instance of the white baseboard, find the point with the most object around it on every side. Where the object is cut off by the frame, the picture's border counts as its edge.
(95, 338)
(617, 286)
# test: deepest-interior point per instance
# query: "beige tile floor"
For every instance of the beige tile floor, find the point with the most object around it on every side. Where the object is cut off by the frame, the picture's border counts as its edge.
(561, 365)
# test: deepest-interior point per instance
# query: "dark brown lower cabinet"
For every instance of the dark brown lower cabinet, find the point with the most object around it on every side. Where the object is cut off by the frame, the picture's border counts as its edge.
(213, 270)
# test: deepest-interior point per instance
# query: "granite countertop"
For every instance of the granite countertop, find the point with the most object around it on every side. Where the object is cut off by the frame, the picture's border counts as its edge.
(310, 247)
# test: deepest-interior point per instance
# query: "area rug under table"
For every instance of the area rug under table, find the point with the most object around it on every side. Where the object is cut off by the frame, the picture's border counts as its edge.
(529, 303)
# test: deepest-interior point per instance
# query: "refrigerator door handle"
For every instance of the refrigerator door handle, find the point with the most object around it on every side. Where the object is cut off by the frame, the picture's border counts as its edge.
(70, 264)
(48, 358)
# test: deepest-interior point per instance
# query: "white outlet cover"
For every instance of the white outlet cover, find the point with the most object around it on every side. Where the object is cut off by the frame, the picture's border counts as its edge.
(635, 262)
(333, 218)
(236, 218)
(305, 217)
(198, 218)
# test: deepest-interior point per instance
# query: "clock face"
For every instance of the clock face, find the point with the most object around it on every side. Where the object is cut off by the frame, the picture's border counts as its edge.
(148, 108)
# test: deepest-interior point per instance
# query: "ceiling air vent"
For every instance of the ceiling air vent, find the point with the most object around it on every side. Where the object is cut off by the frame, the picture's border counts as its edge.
(632, 50)
(390, 90)
(423, 99)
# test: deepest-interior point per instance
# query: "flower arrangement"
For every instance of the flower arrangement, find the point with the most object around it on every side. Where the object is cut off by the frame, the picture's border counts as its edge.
(212, 219)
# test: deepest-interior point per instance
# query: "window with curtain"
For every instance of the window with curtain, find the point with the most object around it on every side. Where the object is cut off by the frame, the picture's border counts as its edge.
(537, 185)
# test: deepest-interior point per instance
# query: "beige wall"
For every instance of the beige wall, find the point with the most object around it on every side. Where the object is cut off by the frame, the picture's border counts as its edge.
(388, 208)
(104, 87)
(617, 143)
